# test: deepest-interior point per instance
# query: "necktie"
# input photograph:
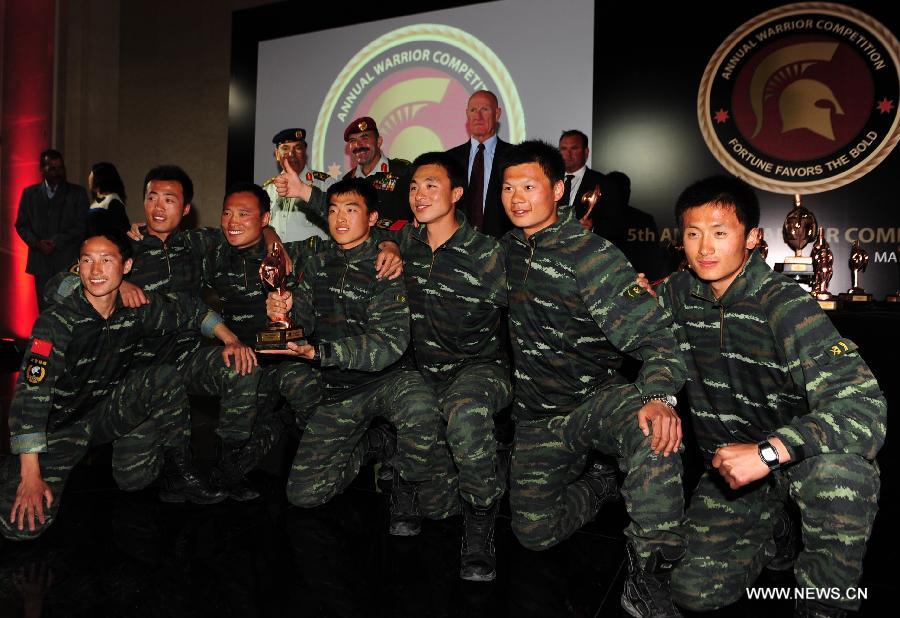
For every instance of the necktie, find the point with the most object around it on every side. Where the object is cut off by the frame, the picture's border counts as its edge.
(476, 189)
(564, 200)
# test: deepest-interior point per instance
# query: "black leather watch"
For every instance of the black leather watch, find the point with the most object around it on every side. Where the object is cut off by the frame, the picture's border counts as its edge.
(769, 455)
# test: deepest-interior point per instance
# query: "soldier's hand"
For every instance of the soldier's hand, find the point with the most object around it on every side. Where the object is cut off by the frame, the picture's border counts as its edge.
(665, 425)
(132, 295)
(642, 281)
(244, 357)
(279, 305)
(288, 183)
(134, 233)
(739, 464)
(293, 349)
(388, 262)
(30, 495)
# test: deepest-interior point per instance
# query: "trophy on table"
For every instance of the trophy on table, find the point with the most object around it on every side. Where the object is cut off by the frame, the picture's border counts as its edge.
(278, 332)
(799, 229)
(823, 265)
(859, 259)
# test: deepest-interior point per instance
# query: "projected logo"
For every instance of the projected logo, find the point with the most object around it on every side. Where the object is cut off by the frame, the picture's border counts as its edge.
(803, 98)
(415, 82)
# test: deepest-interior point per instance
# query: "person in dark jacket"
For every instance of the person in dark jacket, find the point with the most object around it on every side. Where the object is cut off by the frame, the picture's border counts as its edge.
(107, 211)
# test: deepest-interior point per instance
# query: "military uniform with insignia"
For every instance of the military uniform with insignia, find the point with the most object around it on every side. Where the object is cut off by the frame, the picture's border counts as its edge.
(573, 310)
(288, 218)
(360, 326)
(79, 387)
(765, 361)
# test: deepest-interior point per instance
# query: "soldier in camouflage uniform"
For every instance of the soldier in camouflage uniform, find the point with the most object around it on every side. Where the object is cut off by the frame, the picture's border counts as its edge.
(292, 223)
(359, 329)
(783, 407)
(79, 387)
(573, 306)
(456, 281)
(232, 270)
(169, 260)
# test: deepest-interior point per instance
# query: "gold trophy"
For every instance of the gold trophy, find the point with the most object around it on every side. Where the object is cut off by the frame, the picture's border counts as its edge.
(800, 228)
(859, 259)
(762, 247)
(590, 200)
(273, 273)
(823, 265)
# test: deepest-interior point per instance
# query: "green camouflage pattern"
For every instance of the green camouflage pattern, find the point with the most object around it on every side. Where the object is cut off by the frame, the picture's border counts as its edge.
(765, 360)
(331, 449)
(574, 308)
(89, 357)
(548, 498)
(730, 532)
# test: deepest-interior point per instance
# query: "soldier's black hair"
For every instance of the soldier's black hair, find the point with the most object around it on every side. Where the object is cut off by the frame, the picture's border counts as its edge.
(48, 154)
(722, 191)
(122, 243)
(107, 179)
(575, 133)
(172, 173)
(442, 159)
(360, 186)
(248, 187)
(540, 152)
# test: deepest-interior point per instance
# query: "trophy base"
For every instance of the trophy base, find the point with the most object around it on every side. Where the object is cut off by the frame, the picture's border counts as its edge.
(829, 304)
(277, 339)
(892, 298)
(794, 268)
(798, 259)
(855, 296)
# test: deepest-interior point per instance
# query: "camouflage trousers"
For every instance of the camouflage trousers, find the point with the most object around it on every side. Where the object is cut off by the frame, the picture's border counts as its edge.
(145, 415)
(204, 373)
(730, 532)
(301, 386)
(468, 403)
(331, 449)
(548, 499)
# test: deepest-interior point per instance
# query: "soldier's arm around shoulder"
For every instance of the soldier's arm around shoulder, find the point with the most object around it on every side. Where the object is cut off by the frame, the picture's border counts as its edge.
(168, 313)
(60, 286)
(847, 410)
(631, 318)
(386, 336)
(43, 363)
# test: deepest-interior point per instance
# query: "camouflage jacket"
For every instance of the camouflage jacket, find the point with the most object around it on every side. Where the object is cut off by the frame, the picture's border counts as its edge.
(573, 306)
(456, 297)
(360, 323)
(234, 275)
(75, 358)
(764, 360)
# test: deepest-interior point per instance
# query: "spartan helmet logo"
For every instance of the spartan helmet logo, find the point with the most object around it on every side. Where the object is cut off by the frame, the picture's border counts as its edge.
(396, 107)
(779, 75)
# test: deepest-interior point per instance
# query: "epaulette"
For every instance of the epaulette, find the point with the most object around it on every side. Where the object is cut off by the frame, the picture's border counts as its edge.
(312, 243)
(269, 181)
(401, 162)
(320, 175)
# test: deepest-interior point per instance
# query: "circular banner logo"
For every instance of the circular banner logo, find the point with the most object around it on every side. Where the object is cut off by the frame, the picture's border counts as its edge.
(802, 98)
(415, 83)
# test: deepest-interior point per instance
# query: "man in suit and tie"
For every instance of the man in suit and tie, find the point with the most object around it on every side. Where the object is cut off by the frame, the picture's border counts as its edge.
(482, 158)
(51, 220)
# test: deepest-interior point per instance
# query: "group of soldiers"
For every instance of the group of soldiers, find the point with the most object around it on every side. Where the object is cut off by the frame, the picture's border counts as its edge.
(419, 336)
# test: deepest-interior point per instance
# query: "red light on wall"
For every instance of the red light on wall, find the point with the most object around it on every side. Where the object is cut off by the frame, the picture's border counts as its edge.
(25, 130)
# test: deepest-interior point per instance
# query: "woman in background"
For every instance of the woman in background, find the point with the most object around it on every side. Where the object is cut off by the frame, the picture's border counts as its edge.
(107, 212)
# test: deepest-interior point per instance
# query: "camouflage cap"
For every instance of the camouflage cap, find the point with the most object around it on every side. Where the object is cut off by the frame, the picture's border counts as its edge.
(358, 126)
(289, 135)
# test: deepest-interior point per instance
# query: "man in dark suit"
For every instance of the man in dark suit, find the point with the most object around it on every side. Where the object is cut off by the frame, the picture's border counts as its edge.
(390, 177)
(482, 158)
(51, 221)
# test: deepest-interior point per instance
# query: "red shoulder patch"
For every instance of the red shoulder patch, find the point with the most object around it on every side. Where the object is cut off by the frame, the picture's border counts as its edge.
(399, 224)
(384, 167)
(41, 347)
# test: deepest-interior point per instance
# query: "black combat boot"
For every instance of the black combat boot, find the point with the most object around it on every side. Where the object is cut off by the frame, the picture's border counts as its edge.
(646, 590)
(811, 609)
(478, 562)
(406, 520)
(180, 482)
(787, 542)
(602, 479)
(228, 476)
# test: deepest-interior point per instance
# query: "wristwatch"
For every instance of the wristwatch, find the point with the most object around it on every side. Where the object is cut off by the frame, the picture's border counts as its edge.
(769, 455)
(669, 400)
(317, 355)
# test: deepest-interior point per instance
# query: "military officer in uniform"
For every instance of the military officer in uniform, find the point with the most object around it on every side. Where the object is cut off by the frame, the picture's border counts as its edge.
(287, 219)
